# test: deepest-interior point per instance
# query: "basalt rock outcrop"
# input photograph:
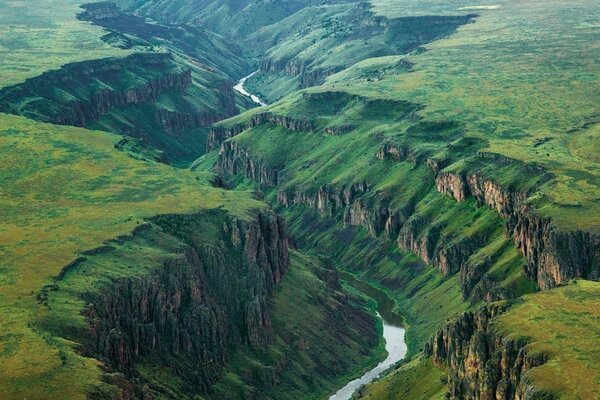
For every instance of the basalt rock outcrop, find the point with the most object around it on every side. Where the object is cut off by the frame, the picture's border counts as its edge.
(219, 134)
(358, 204)
(402, 36)
(199, 304)
(482, 364)
(553, 256)
(71, 110)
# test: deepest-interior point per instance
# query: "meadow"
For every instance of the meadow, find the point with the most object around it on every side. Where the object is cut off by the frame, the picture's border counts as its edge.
(63, 191)
(40, 35)
(524, 78)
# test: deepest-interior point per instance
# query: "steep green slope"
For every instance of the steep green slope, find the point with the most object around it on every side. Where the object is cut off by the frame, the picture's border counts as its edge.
(324, 335)
(469, 154)
(328, 40)
(102, 298)
(235, 19)
(166, 102)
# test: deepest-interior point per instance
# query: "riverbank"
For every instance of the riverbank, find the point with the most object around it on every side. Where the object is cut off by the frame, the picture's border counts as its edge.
(240, 89)
(393, 333)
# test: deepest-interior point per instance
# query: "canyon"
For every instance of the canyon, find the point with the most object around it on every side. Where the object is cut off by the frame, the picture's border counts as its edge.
(281, 200)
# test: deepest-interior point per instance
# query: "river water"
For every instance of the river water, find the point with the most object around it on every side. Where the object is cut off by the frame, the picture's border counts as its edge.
(240, 89)
(393, 333)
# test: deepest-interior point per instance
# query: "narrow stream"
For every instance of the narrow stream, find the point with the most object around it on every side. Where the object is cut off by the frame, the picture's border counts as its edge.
(393, 334)
(240, 89)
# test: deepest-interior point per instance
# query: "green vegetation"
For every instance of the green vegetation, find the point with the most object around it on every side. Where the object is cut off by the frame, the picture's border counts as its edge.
(563, 324)
(402, 102)
(165, 102)
(423, 298)
(36, 37)
(65, 190)
(417, 379)
(521, 78)
(314, 339)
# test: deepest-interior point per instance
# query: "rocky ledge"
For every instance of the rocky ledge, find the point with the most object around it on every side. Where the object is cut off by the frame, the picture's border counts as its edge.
(481, 363)
(553, 256)
(197, 306)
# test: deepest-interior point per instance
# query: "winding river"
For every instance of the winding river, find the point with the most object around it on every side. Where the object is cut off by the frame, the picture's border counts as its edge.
(240, 89)
(393, 334)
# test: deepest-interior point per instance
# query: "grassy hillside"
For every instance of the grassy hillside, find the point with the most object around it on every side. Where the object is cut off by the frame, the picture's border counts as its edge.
(325, 336)
(522, 78)
(235, 19)
(417, 379)
(501, 115)
(323, 40)
(65, 190)
(558, 326)
(563, 324)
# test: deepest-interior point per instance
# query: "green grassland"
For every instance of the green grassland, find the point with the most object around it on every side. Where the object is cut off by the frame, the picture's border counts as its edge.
(236, 19)
(214, 63)
(81, 83)
(36, 36)
(66, 190)
(561, 324)
(564, 324)
(324, 39)
(524, 79)
(521, 82)
(416, 379)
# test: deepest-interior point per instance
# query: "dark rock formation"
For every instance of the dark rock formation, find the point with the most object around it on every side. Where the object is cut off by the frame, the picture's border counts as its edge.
(198, 305)
(234, 159)
(358, 205)
(219, 134)
(481, 363)
(82, 111)
(553, 256)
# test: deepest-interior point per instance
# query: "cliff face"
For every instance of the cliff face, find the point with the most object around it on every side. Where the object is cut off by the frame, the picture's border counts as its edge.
(386, 37)
(553, 256)
(85, 110)
(483, 365)
(358, 204)
(307, 77)
(197, 306)
(126, 96)
(234, 159)
(219, 134)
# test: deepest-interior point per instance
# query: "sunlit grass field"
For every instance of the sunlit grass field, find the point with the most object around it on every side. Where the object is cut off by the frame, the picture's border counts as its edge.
(63, 191)
(564, 324)
(524, 77)
(38, 35)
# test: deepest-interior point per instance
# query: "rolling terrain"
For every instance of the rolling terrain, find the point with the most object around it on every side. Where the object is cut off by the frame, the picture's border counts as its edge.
(165, 238)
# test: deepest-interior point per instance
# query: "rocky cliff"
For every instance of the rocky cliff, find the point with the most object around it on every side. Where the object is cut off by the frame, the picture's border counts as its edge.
(344, 35)
(218, 134)
(553, 256)
(481, 363)
(198, 305)
(358, 204)
(50, 106)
